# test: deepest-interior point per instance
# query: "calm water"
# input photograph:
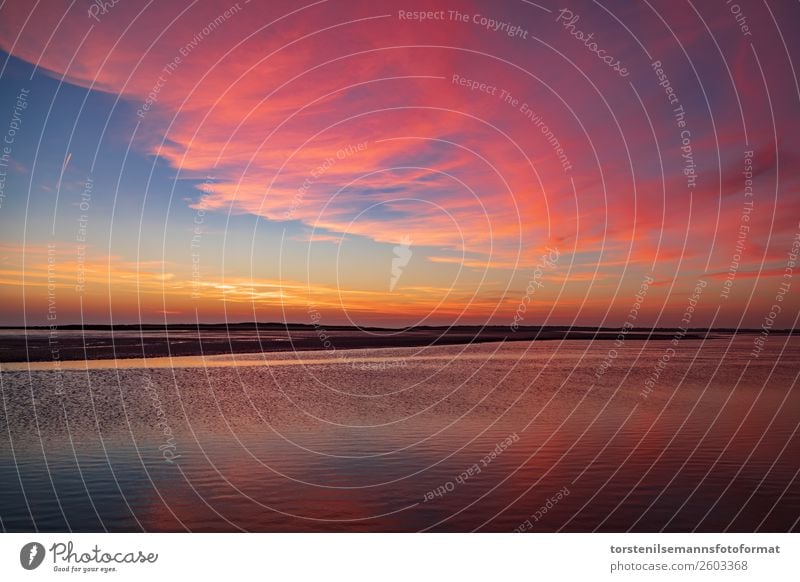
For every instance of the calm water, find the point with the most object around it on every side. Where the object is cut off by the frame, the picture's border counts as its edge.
(451, 439)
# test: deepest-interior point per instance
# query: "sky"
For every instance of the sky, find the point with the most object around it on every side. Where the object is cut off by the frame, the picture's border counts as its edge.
(399, 163)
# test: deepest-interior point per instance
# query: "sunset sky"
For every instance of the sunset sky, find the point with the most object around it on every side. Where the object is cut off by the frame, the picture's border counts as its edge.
(216, 161)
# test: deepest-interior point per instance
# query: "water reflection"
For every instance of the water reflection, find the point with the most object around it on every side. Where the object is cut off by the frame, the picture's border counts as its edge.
(308, 443)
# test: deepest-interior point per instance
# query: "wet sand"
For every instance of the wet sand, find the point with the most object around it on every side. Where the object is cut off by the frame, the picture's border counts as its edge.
(101, 342)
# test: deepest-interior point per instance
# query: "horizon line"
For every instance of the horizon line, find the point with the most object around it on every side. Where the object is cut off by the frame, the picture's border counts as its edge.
(114, 326)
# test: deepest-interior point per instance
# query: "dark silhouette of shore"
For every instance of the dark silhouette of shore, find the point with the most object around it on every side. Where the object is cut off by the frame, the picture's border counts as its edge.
(75, 342)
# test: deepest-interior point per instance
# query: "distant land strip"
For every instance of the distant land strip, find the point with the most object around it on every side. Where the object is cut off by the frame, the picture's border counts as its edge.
(122, 341)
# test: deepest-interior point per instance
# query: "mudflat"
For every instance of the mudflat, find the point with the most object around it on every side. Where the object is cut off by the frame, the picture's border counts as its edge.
(105, 342)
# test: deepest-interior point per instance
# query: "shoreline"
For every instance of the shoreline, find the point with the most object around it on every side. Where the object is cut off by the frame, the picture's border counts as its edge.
(75, 345)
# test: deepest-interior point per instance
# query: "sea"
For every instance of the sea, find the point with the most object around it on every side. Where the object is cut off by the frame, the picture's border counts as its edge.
(541, 436)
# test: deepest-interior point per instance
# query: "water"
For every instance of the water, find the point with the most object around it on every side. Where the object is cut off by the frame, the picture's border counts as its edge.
(403, 440)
